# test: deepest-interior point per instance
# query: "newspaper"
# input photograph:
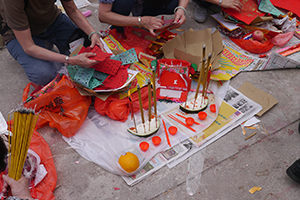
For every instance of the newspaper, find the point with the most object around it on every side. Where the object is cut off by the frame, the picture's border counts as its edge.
(277, 61)
(240, 102)
(235, 102)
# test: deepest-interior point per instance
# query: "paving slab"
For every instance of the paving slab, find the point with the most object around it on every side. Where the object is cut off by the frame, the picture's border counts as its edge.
(232, 165)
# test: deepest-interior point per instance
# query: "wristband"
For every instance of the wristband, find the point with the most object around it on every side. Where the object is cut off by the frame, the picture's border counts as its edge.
(180, 7)
(67, 59)
(93, 33)
(220, 2)
(140, 20)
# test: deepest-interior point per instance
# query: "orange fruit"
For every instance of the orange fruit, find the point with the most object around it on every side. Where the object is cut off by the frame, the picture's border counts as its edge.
(129, 162)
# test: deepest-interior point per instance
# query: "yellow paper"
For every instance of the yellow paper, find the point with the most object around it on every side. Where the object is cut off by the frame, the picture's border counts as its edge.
(254, 189)
(113, 44)
(225, 115)
(232, 62)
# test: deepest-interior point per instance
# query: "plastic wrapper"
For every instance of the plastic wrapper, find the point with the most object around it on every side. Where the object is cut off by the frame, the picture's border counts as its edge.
(254, 46)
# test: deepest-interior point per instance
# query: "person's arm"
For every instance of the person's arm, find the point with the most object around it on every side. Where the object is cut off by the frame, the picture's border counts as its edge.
(107, 16)
(30, 48)
(79, 20)
(180, 13)
(19, 188)
(234, 4)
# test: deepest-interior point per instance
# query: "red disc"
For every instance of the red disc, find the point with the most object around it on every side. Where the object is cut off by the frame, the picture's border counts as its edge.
(156, 140)
(212, 108)
(189, 121)
(144, 146)
(202, 115)
(172, 130)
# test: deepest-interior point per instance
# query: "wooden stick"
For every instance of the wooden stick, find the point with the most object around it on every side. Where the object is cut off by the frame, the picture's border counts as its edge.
(250, 136)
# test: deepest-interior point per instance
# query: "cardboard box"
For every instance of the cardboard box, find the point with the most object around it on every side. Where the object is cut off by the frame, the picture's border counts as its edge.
(189, 46)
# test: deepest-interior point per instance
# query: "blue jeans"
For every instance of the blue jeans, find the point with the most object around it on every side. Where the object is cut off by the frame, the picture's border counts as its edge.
(39, 71)
(124, 7)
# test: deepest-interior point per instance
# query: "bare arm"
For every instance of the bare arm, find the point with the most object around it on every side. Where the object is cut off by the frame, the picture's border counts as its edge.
(234, 4)
(180, 15)
(109, 17)
(78, 18)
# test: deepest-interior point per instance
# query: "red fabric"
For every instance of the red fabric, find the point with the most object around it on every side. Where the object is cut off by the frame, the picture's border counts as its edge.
(290, 5)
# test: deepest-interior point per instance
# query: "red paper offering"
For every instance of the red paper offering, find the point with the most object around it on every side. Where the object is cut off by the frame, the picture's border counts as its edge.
(290, 5)
(115, 81)
(108, 66)
(248, 13)
(100, 55)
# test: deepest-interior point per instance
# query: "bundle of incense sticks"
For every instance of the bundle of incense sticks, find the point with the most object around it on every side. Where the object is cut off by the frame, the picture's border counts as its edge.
(24, 121)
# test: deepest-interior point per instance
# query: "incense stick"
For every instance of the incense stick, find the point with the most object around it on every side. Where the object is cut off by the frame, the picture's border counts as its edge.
(201, 75)
(149, 102)
(154, 94)
(22, 129)
(141, 106)
(204, 83)
(132, 110)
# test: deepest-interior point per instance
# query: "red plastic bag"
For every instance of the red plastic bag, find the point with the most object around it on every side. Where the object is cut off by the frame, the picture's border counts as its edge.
(44, 189)
(63, 107)
(254, 46)
(281, 39)
(119, 109)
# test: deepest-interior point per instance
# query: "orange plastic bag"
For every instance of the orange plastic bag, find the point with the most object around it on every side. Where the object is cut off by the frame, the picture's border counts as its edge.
(254, 46)
(62, 108)
(44, 189)
(119, 109)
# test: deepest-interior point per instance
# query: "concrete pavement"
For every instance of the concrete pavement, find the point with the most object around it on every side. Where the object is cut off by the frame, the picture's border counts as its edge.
(232, 165)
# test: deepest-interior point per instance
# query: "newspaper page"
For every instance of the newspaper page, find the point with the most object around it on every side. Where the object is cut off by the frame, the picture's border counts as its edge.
(234, 98)
(277, 61)
(235, 108)
(157, 162)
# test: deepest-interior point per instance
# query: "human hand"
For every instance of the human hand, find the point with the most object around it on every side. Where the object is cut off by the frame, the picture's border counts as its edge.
(83, 60)
(179, 19)
(19, 188)
(95, 40)
(151, 23)
(234, 4)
